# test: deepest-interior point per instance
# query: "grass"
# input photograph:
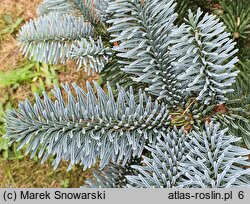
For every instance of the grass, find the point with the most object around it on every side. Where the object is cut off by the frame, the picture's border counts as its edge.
(27, 173)
(17, 76)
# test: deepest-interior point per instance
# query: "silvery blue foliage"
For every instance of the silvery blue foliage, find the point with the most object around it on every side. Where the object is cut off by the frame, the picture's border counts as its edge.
(142, 29)
(59, 29)
(161, 170)
(49, 39)
(62, 6)
(214, 161)
(83, 129)
(192, 62)
(90, 54)
(85, 8)
(204, 57)
(112, 176)
(101, 7)
(202, 159)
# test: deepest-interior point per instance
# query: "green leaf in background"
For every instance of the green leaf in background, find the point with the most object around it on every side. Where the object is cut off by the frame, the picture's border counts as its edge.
(65, 183)
(3, 144)
(11, 26)
(49, 72)
(38, 88)
(46, 78)
(15, 77)
(30, 72)
(39, 76)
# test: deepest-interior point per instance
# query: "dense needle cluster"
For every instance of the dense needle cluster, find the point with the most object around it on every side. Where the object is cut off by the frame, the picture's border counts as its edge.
(164, 131)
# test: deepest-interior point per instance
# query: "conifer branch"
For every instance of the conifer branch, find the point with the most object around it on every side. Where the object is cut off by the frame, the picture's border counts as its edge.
(83, 129)
(214, 160)
(84, 8)
(113, 175)
(204, 58)
(142, 30)
(161, 170)
(49, 39)
(91, 54)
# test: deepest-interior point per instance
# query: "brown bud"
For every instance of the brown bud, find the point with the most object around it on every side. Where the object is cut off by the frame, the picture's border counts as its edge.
(216, 6)
(187, 128)
(220, 109)
(207, 120)
(173, 117)
(116, 44)
(236, 35)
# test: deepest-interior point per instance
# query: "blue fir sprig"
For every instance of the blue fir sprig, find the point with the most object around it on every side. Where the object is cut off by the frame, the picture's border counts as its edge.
(49, 39)
(159, 136)
(91, 10)
(162, 170)
(205, 158)
(204, 57)
(214, 161)
(113, 175)
(90, 54)
(142, 30)
(83, 129)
